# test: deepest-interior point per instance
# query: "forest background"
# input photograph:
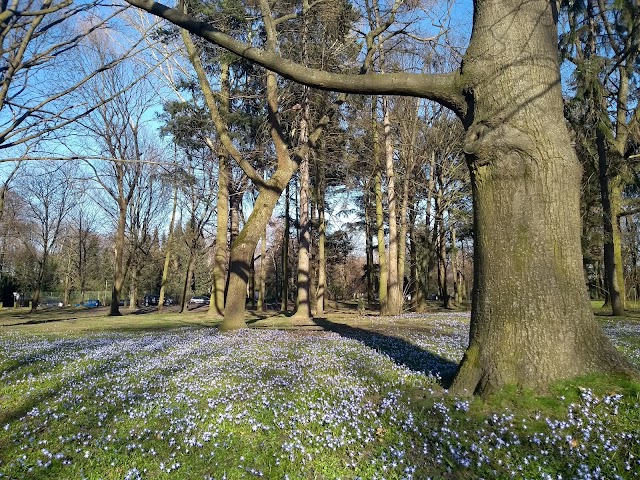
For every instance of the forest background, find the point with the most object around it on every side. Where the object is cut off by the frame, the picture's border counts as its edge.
(133, 156)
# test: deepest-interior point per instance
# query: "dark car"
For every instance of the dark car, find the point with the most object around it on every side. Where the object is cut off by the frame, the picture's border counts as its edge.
(92, 303)
(152, 300)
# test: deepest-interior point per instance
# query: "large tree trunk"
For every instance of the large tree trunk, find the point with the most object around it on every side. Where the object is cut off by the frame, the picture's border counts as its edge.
(244, 246)
(303, 299)
(531, 321)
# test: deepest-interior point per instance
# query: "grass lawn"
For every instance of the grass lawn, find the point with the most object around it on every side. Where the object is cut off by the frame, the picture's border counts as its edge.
(166, 396)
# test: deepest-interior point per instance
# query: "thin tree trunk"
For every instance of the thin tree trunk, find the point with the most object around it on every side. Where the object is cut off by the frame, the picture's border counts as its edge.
(303, 298)
(427, 255)
(442, 253)
(394, 305)
(402, 236)
(368, 229)
(35, 299)
(383, 274)
(133, 287)
(322, 261)
(119, 267)
(612, 252)
(221, 249)
(167, 255)
(262, 305)
(413, 258)
(285, 255)
(252, 282)
(187, 281)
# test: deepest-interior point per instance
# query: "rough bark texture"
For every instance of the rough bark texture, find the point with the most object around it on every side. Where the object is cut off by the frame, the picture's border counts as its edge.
(413, 258)
(531, 319)
(244, 246)
(303, 298)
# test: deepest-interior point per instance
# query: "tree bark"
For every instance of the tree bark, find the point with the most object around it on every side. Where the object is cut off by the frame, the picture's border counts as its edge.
(262, 303)
(368, 230)
(303, 298)
(610, 195)
(322, 260)
(426, 258)
(167, 254)
(187, 280)
(284, 301)
(221, 249)
(119, 267)
(383, 274)
(394, 301)
(531, 320)
(442, 247)
(244, 247)
(133, 288)
(413, 258)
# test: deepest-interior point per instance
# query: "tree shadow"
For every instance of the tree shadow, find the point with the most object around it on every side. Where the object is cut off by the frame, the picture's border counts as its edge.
(398, 349)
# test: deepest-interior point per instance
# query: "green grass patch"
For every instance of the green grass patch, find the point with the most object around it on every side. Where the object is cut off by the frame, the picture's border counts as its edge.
(169, 397)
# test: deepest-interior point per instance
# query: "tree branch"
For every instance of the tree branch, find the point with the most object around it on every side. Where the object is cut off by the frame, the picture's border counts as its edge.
(442, 88)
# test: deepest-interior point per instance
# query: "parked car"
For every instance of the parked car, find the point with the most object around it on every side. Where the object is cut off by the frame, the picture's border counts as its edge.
(52, 302)
(150, 300)
(200, 300)
(92, 303)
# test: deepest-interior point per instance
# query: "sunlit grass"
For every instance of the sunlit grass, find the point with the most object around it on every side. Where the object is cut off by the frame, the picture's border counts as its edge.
(166, 396)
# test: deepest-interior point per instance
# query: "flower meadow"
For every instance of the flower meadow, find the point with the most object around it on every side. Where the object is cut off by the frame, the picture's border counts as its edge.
(356, 403)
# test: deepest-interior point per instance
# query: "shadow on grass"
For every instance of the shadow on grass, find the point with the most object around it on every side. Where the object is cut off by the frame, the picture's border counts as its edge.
(399, 350)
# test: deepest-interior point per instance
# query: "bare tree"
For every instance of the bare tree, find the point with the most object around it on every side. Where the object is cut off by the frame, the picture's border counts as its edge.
(49, 194)
(117, 131)
(38, 80)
